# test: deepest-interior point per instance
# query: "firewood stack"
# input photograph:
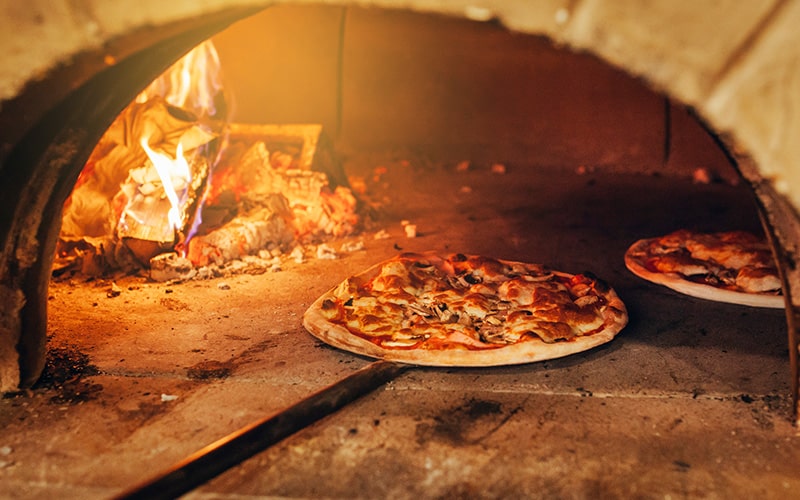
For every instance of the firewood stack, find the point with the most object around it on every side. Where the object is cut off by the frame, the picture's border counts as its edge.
(172, 179)
(258, 199)
(115, 215)
(280, 204)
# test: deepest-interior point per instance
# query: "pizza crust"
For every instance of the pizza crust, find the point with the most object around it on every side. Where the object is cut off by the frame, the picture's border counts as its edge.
(676, 282)
(527, 351)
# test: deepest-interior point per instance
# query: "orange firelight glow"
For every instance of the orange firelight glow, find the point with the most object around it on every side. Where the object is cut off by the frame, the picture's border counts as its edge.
(191, 83)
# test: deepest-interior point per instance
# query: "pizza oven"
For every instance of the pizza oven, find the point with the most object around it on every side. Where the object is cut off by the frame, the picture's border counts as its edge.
(558, 132)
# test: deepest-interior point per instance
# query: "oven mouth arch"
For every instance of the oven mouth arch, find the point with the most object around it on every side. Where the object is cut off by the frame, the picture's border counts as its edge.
(72, 128)
(40, 171)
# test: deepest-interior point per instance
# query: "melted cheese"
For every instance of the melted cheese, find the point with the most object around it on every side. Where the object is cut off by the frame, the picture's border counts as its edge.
(758, 279)
(733, 260)
(472, 302)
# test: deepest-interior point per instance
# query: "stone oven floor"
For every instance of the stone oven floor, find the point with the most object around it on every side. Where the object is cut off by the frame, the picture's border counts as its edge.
(690, 400)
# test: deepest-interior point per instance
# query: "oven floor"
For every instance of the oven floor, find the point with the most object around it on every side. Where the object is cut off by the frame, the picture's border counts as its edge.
(690, 400)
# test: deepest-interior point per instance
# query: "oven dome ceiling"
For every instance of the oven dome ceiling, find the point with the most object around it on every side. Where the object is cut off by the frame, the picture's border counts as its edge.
(738, 75)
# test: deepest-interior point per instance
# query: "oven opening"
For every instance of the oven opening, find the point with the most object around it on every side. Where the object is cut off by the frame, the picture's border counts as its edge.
(175, 191)
(304, 144)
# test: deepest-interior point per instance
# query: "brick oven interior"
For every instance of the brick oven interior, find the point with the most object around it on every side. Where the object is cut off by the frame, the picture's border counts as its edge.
(490, 142)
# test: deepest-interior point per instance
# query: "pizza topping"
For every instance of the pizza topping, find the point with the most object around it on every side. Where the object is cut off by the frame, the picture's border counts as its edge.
(429, 302)
(733, 261)
(553, 332)
(715, 258)
(758, 279)
(732, 250)
(516, 290)
(586, 300)
(678, 262)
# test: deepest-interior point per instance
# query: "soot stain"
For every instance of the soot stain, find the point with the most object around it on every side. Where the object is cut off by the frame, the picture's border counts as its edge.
(463, 425)
(476, 409)
(258, 348)
(143, 413)
(64, 372)
(209, 370)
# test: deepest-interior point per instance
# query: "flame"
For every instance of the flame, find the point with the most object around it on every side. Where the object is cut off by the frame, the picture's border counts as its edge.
(127, 183)
(169, 169)
(191, 83)
(204, 198)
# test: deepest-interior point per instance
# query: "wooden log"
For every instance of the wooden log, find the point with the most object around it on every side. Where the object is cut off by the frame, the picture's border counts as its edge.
(317, 208)
(146, 204)
(244, 235)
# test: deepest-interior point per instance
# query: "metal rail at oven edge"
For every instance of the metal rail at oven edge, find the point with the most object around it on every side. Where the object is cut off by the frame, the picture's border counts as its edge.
(231, 450)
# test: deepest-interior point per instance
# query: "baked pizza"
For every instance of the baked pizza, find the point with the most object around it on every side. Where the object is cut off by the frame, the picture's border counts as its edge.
(733, 266)
(466, 310)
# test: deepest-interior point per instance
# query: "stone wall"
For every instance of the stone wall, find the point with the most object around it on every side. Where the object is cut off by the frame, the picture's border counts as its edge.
(734, 62)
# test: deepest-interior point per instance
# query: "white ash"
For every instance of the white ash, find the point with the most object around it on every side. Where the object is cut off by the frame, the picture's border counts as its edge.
(253, 260)
(114, 291)
(298, 255)
(326, 252)
(170, 266)
(237, 266)
(270, 253)
(352, 246)
(210, 272)
(382, 235)
(168, 397)
(266, 260)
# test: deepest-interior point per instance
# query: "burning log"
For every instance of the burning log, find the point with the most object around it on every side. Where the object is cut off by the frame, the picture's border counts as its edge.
(148, 196)
(269, 225)
(122, 196)
(90, 210)
(316, 207)
(283, 204)
(260, 198)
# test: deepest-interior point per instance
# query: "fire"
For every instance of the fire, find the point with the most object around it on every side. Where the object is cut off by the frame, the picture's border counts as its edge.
(168, 162)
(176, 177)
(192, 83)
(138, 189)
